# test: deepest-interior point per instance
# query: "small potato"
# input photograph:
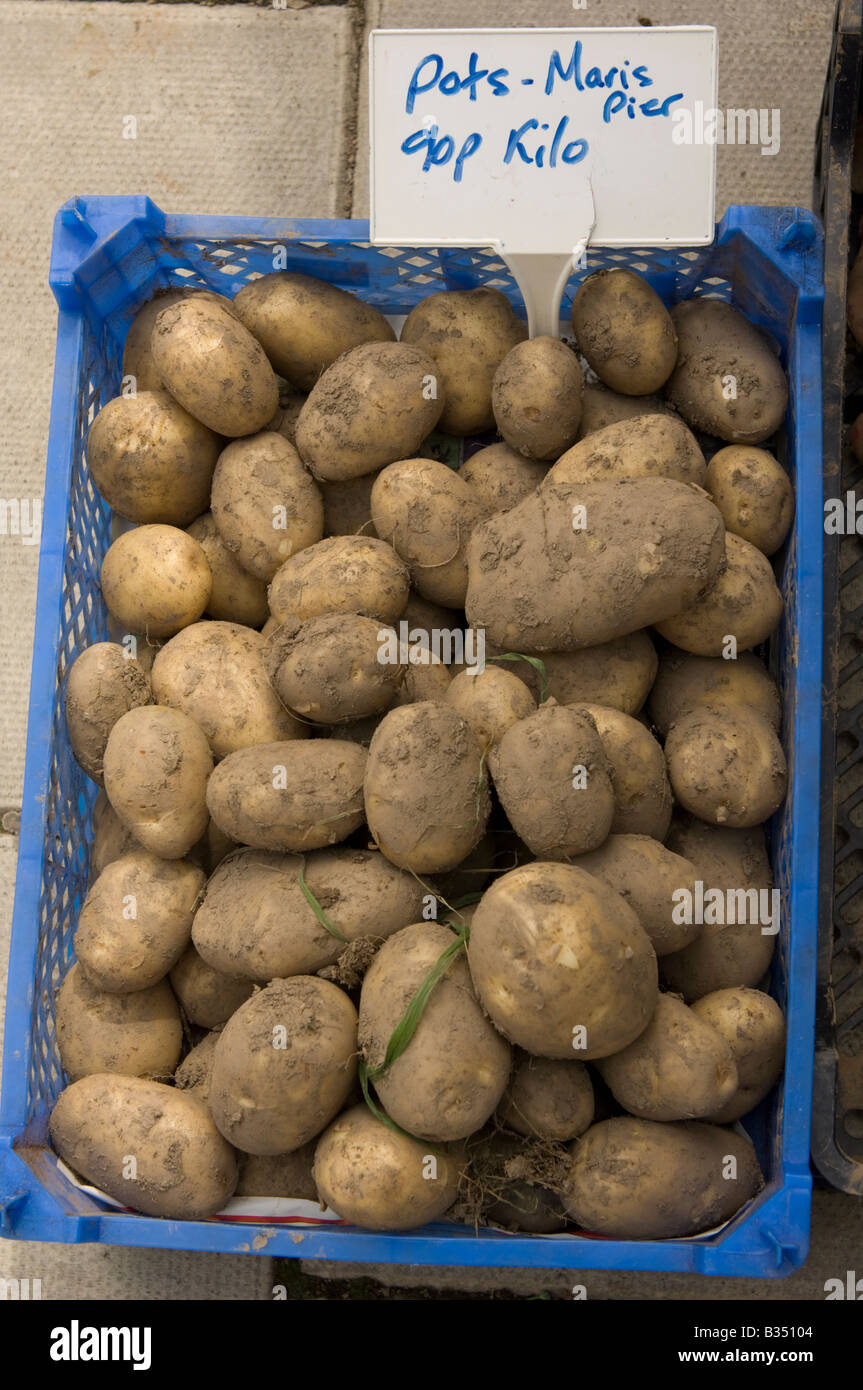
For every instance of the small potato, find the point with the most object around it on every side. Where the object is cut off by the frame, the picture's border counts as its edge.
(348, 506)
(553, 777)
(743, 603)
(344, 574)
(156, 580)
(450, 1077)
(284, 422)
(754, 1028)
(426, 791)
(279, 1175)
(753, 493)
(151, 460)
(491, 701)
(642, 794)
(427, 512)
(547, 1098)
(679, 1068)
(304, 324)
(685, 680)
(468, 333)
(648, 877)
(103, 684)
(196, 1069)
(648, 446)
(137, 351)
(214, 672)
(284, 1065)
(520, 1203)
(561, 964)
(500, 477)
(111, 837)
(425, 676)
(208, 997)
(642, 1180)
(214, 367)
(265, 505)
(377, 1178)
(289, 796)
(536, 398)
(236, 596)
(601, 407)
(726, 765)
(138, 1034)
(374, 405)
(625, 331)
(184, 1170)
(336, 669)
(727, 380)
(157, 763)
(137, 921)
(617, 674)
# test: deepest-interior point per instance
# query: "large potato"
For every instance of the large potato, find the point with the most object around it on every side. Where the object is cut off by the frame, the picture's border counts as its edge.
(427, 513)
(304, 324)
(289, 796)
(137, 921)
(726, 765)
(138, 1034)
(643, 1180)
(214, 672)
(649, 446)
(642, 794)
(754, 1028)
(644, 548)
(453, 1072)
(214, 367)
(647, 876)
(500, 477)
(625, 331)
(256, 922)
(536, 398)
(561, 964)
(265, 504)
(183, 1168)
(156, 580)
(336, 669)
(375, 404)
(467, 333)
(208, 997)
(284, 1065)
(426, 792)
(344, 574)
(743, 604)
(137, 351)
(236, 596)
(547, 1098)
(601, 407)
(491, 701)
(157, 762)
(753, 493)
(103, 684)
(684, 680)
(727, 380)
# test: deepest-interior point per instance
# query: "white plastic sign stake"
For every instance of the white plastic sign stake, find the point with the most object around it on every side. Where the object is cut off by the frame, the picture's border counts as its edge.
(539, 141)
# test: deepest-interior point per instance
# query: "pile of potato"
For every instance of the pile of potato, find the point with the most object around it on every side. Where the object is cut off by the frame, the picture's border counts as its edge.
(371, 922)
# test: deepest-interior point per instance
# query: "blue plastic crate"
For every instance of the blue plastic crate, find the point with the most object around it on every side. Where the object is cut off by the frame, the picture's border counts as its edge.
(111, 254)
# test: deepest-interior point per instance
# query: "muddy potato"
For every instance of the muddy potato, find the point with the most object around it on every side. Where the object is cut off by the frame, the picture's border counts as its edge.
(284, 1065)
(643, 550)
(236, 595)
(194, 1072)
(753, 493)
(553, 778)
(136, 921)
(650, 878)
(547, 1098)
(156, 580)
(157, 762)
(601, 407)
(449, 1079)
(214, 367)
(427, 512)
(379, 1179)
(265, 504)
(500, 477)
(335, 669)
(299, 795)
(425, 676)
(536, 398)
(684, 680)
(727, 381)
(103, 684)
(624, 331)
(642, 794)
(184, 1170)
(744, 603)
(374, 405)
(344, 574)
(467, 333)
(726, 765)
(516, 1203)
(754, 1028)
(491, 701)
(279, 1175)
(561, 963)
(649, 446)
(644, 1180)
(348, 506)
(137, 1034)
(208, 997)
(137, 351)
